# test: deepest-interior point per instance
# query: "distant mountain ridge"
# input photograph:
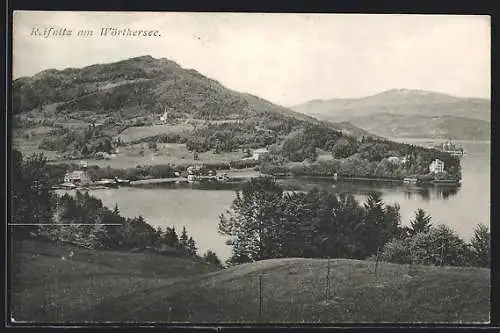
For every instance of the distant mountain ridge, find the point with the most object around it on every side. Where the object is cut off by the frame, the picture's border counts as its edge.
(382, 113)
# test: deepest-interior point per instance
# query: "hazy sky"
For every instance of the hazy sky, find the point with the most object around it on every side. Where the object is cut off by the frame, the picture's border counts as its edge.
(285, 58)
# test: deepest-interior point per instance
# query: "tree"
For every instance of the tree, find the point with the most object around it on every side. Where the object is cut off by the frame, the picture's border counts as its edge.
(183, 239)
(393, 222)
(343, 148)
(32, 198)
(438, 246)
(116, 211)
(211, 258)
(191, 247)
(152, 145)
(170, 237)
(374, 231)
(159, 235)
(85, 150)
(421, 223)
(250, 221)
(349, 216)
(481, 246)
(295, 233)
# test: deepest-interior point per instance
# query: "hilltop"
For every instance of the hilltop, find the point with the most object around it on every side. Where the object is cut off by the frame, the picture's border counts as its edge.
(382, 114)
(146, 287)
(76, 111)
(137, 87)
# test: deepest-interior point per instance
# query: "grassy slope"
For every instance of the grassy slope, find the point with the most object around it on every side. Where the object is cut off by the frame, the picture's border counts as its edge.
(114, 286)
(50, 288)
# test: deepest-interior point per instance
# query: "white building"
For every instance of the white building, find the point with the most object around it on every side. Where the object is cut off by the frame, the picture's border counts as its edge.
(437, 166)
(405, 160)
(394, 160)
(164, 117)
(259, 153)
(77, 177)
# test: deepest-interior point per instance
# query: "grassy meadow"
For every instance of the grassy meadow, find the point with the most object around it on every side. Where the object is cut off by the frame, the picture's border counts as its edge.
(167, 153)
(135, 133)
(114, 286)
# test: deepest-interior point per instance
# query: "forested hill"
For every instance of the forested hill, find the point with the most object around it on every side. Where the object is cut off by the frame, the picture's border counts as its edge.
(139, 87)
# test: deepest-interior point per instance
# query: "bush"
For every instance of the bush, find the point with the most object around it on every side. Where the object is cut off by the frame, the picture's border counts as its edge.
(243, 164)
(441, 245)
(152, 145)
(396, 251)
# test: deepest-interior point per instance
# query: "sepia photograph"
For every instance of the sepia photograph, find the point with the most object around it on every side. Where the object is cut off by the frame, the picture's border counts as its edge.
(249, 168)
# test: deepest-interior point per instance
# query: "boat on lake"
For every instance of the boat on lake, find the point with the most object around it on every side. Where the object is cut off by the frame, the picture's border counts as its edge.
(449, 182)
(411, 180)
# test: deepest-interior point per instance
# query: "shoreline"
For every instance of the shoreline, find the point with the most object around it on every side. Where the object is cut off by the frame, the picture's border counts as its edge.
(242, 176)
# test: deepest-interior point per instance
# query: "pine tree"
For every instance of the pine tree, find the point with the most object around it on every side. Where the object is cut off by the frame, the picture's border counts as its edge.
(171, 238)
(191, 246)
(374, 229)
(393, 222)
(211, 258)
(183, 239)
(159, 235)
(116, 211)
(421, 223)
(481, 246)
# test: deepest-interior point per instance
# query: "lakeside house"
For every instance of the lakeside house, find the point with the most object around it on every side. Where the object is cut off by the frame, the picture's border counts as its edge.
(222, 177)
(192, 170)
(259, 153)
(437, 166)
(164, 117)
(104, 155)
(77, 177)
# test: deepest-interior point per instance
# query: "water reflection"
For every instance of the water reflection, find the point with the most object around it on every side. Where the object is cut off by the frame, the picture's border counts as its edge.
(431, 193)
(356, 187)
(361, 187)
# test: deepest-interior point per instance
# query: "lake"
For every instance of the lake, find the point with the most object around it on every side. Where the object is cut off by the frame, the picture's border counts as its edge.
(198, 209)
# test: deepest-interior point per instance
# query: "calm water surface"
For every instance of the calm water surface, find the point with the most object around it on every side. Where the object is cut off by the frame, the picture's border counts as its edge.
(198, 209)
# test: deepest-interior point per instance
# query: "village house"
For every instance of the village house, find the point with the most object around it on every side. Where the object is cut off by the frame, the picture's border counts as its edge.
(164, 117)
(405, 160)
(394, 160)
(437, 166)
(77, 177)
(104, 155)
(259, 153)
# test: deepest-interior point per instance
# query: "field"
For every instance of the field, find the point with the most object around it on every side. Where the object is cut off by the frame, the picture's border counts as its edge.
(131, 155)
(168, 153)
(112, 286)
(324, 156)
(30, 146)
(135, 133)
